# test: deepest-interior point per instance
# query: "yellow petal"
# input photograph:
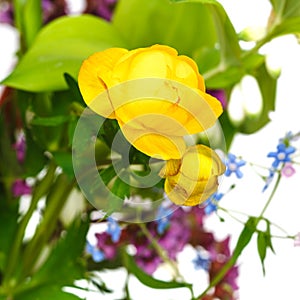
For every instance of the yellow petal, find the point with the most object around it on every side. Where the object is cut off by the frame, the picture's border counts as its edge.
(200, 163)
(154, 144)
(195, 177)
(95, 74)
(171, 168)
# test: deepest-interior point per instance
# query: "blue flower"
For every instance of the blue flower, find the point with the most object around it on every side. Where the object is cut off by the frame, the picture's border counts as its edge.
(269, 179)
(282, 155)
(113, 229)
(96, 253)
(163, 218)
(211, 203)
(233, 166)
(200, 262)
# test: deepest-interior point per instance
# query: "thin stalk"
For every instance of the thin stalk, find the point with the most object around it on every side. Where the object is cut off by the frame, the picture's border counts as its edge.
(243, 241)
(41, 189)
(160, 251)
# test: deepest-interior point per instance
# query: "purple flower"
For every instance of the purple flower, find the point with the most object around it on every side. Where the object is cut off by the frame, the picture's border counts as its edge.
(177, 235)
(101, 8)
(211, 203)
(104, 243)
(297, 240)
(51, 10)
(20, 148)
(6, 13)
(220, 95)
(233, 166)
(96, 253)
(113, 229)
(288, 170)
(282, 155)
(20, 188)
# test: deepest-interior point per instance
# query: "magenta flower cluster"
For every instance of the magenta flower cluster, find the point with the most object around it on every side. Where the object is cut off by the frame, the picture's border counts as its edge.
(180, 228)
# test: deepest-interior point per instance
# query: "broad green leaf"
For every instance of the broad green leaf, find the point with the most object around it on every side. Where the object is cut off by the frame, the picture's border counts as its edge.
(285, 18)
(59, 48)
(184, 26)
(286, 8)
(291, 25)
(199, 1)
(46, 292)
(148, 280)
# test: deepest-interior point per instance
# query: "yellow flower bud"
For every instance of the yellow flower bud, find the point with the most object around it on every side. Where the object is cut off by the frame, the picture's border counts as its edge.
(192, 179)
(156, 95)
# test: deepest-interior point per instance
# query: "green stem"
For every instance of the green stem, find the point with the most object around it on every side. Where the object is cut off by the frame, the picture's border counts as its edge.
(41, 189)
(161, 252)
(163, 255)
(249, 229)
(55, 201)
(271, 196)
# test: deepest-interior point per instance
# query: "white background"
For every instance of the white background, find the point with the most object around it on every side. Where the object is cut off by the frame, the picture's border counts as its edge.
(280, 281)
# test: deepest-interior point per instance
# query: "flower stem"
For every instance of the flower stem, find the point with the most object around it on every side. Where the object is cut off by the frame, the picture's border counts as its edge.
(249, 229)
(163, 255)
(271, 196)
(161, 252)
(41, 189)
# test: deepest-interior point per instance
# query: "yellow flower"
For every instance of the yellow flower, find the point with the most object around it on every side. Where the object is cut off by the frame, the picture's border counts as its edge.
(156, 95)
(192, 179)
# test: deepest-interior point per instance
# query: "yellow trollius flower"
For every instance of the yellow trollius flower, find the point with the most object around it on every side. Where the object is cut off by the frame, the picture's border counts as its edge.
(156, 95)
(193, 178)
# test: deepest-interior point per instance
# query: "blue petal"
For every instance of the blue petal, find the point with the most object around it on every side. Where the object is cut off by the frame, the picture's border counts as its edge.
(98, 255)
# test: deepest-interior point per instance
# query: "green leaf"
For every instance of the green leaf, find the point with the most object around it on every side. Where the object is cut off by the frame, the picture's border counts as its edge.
(262, 248)
(46, 292)
(286, 8)
(59, 48)
(286, 18)
(64, 160)
(245, 237)
(198, 1)
(8, 227)
(148, 280)
(120, 190)
(66, 254)
(264, 241)
(185, 26)
(32, 20)
(108, 174)
(74, 88)
(51, 121)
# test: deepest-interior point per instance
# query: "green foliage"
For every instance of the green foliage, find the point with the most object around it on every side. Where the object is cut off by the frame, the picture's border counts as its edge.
(264, 242)
(285, 18)
(148, 280)
(59, 48)
(47, 103)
